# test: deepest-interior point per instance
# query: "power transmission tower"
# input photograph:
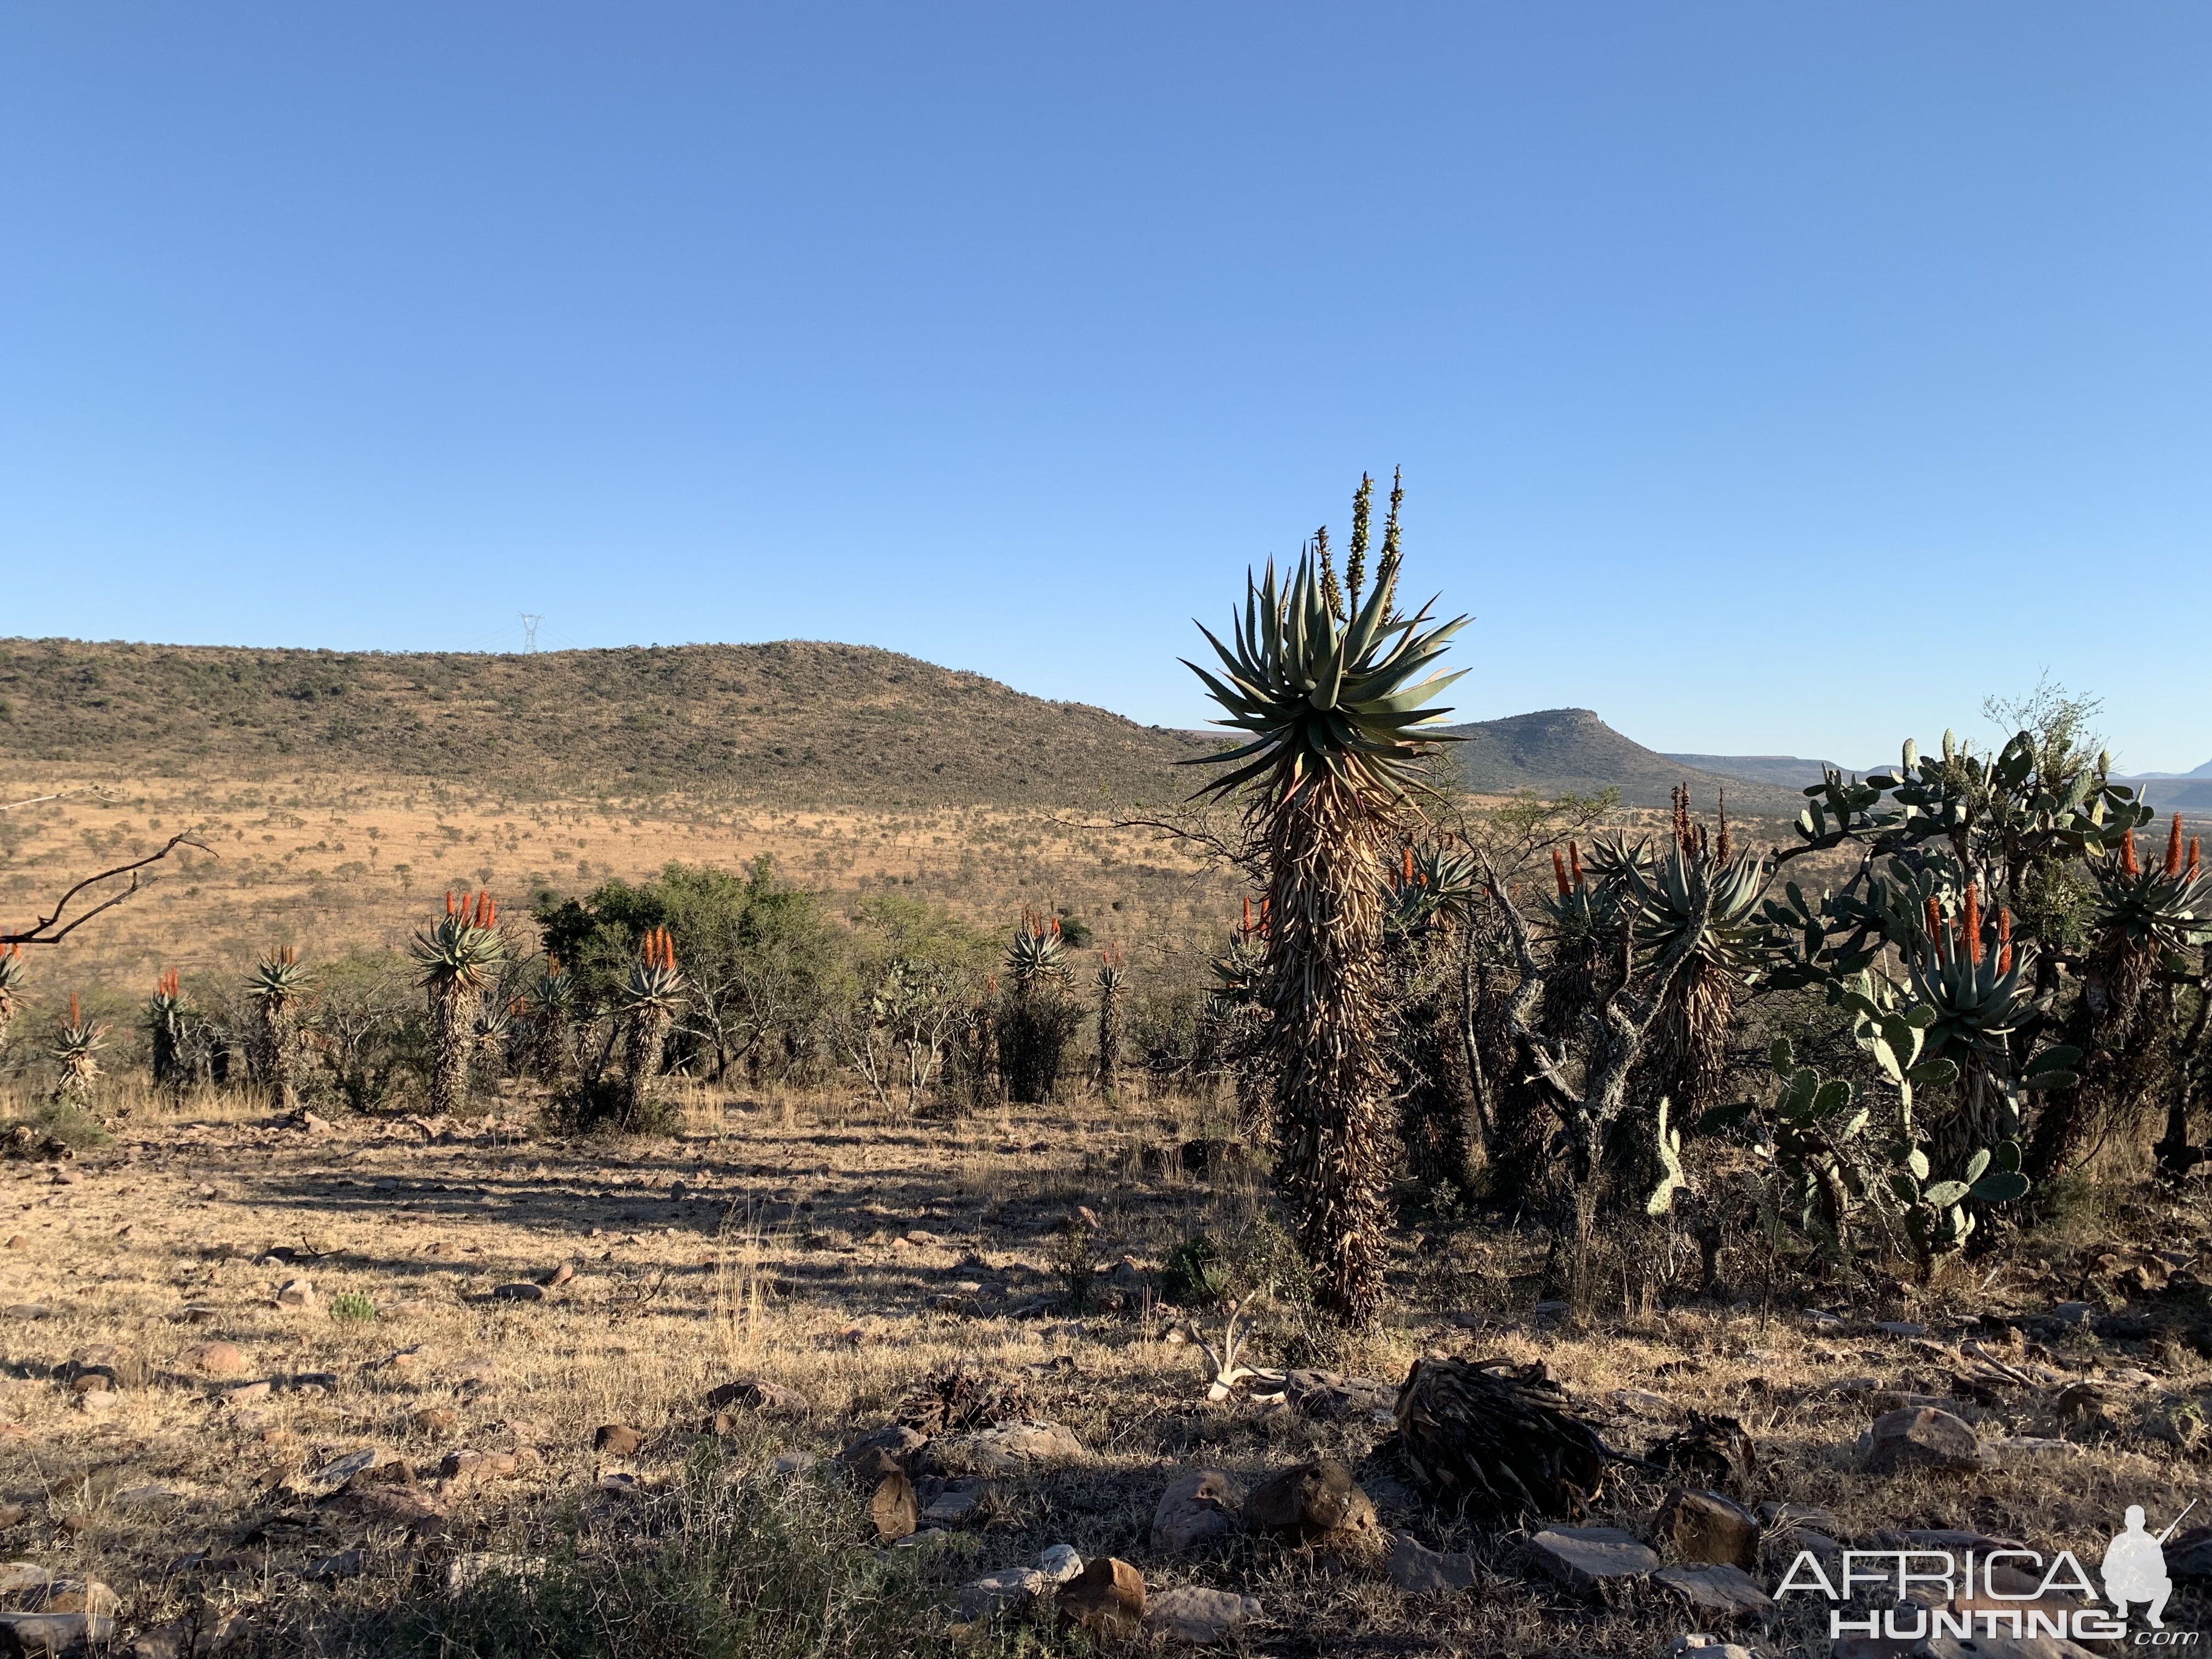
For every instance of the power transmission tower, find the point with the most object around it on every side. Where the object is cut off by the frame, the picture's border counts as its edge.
(530, 630)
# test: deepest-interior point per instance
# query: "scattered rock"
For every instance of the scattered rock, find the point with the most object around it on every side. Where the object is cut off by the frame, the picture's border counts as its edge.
(1107, 1598)
(757, 1394)
(1588, 1557)
(467, 1468)
(346, 1563)
(437, 1419)
(1720, 1588)
(1899, 1328)
(29, 1588)
(1699, 1644)
(519, 1289)
(891, 1450)
(798, 1462)
(955, 1502)
(618, 1439)
(1059, 1563)
(1312, 1503)
(19, 1243)
(28, 1310)
(53, 1633)
(143, 1497)
(1010, 1449)
(1196, 1509)
(1705, 1526)
(296, 1293)
(894, 1509)
(1191, 1613)
(1922, 1438)
(188, 1638)
(1420, 1571)
(996, 1592)
(218, 1359)
(335, 1475)
(559, 1276)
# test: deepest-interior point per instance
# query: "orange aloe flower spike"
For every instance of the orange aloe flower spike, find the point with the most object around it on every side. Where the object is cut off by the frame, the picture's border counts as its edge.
(1559, 873)
(1574, 862)
(1935, 925)
(2173, 847)
(1973, 925)
(2128, 865)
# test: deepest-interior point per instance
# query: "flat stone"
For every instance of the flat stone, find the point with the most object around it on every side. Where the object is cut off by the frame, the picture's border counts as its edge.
(1196, 1510)
(1311, 1502)
(955, 1504)
(1107, 1598)
(1059, 1562)
(1587, 1557)
(1420, 1570)
(518, 1290)
(55, 1633)
(1717, 1588)
(2073, 1313)
(346, 1563)
(755, 1394)
(618, 1439)
(1326, 1397)
(1705, 1527)
(1010, 1449)
(995, 1592)
(889, 1450)
(1193, 1614)
(1899, 1328)
(296, 1293)
(144, 1496)
(218, 1359)
(893, 1509)
(29, 1588)
(334, 1476)
(1922, 1438)
(28, 1310)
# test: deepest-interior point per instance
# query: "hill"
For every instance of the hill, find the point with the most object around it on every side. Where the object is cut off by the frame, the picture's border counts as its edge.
(1557, 750)
(795, 721)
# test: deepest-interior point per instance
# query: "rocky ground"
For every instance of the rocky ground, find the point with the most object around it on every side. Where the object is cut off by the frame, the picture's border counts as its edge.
(278, 1378)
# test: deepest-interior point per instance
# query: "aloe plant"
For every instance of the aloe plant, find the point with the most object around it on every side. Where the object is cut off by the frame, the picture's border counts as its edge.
(11, 988)
(276, 985)
(166, 1016)
(460, 957)
(75, 1051)
(1330, 688)
(648, 997)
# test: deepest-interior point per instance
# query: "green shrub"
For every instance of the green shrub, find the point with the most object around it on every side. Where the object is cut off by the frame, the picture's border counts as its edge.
(352, 1308)
(1196, 1275)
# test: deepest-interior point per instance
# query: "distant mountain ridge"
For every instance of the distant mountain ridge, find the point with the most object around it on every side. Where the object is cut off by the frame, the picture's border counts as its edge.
(1790, 771)
(1554, 750)
(797, 720)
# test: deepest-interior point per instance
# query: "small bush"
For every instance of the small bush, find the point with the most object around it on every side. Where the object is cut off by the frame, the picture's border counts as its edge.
(1196, 1275)
(747, 1567)
(352, 1308)
(69, 1124)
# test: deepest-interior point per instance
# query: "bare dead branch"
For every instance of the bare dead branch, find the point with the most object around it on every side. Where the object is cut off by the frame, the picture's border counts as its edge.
(50, 929)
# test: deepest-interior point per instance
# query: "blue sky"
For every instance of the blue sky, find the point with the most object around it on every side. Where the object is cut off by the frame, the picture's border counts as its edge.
(1765, 378)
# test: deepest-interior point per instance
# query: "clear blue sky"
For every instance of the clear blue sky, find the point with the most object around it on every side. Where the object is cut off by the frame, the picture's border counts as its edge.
(1766, 377)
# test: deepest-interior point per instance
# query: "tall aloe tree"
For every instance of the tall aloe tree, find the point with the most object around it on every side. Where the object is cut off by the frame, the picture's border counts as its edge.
(650, 998)
(1327, 685)
(276, 985)
(11, 988)
(166, 1016)
(459, 959)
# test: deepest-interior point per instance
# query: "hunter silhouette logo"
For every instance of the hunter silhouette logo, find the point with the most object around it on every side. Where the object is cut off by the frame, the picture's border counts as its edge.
(1962, 1593)
(2135, 1568)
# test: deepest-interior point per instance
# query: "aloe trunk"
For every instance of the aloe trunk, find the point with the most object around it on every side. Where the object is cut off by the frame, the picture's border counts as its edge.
(648, 1038)
(451, 1028)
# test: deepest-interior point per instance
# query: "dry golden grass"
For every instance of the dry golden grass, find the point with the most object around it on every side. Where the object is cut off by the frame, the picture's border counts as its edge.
(784, 1258)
